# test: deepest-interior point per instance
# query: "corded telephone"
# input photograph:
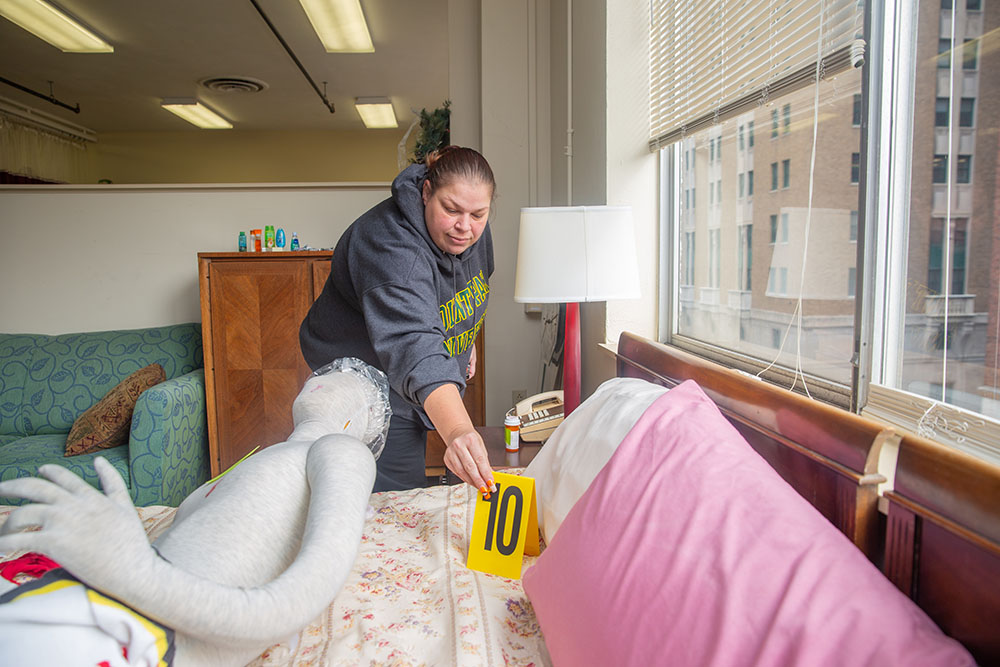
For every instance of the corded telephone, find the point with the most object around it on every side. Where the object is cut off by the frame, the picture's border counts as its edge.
(540, 415)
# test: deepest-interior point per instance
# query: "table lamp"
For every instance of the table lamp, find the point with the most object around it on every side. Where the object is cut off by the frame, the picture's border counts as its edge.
(569, 254)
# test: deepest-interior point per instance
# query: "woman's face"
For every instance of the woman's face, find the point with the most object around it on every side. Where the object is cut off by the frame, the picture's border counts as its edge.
(456, 214)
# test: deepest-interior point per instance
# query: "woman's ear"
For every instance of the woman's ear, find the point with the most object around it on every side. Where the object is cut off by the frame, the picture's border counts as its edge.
(426, 191)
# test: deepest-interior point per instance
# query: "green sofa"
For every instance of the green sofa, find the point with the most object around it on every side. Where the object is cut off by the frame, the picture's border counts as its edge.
(47, 381)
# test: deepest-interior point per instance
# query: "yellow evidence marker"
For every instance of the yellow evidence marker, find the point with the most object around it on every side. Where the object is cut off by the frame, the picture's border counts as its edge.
(504, 527)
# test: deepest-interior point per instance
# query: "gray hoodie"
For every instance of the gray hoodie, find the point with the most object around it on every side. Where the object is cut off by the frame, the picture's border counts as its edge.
(400, 303)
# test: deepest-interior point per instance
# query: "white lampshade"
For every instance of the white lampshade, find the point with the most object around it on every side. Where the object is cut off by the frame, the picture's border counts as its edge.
(576, 253)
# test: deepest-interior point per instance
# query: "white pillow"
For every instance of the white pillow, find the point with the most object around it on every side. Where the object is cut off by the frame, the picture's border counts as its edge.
(581, 446)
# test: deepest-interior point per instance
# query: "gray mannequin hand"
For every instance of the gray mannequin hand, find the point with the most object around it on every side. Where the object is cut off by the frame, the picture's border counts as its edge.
(79, 527)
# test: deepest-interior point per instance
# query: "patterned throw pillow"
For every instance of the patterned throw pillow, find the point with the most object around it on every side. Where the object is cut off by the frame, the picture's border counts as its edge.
(107, 423)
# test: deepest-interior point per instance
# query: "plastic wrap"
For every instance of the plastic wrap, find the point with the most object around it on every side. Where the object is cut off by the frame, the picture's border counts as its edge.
(377, 398)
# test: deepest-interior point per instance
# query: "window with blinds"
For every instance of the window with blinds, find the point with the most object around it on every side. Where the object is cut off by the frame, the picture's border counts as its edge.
(899, 320)
(711, 60)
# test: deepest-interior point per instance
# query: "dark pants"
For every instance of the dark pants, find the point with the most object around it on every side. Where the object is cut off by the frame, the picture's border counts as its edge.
(401, 465)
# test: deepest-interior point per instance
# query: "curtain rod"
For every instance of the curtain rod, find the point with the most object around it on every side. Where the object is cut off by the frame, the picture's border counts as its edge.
(48, 98)
(298, 63)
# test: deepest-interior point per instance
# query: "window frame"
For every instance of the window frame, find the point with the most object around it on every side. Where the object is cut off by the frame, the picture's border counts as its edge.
(884, 190)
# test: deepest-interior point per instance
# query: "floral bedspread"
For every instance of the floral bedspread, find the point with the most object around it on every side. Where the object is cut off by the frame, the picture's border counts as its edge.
(410, 600)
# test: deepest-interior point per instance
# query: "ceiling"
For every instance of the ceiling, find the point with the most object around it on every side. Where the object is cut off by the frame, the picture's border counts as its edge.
(164, 49)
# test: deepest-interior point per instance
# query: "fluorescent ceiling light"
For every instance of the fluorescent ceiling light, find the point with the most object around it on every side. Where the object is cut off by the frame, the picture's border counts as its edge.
(196, 113)
(340, 25)
(48, 23)
(376, 112)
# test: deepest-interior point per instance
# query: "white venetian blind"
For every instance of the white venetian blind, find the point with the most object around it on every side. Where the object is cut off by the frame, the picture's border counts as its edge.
(714, 59)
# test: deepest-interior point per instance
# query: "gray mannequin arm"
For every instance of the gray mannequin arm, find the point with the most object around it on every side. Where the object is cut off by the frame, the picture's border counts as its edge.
(82, 528)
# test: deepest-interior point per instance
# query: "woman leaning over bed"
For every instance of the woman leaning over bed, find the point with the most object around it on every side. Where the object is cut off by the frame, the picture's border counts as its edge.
(407, 293)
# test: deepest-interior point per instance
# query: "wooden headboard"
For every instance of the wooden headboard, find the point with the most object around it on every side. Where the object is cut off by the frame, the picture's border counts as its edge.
(941, 542)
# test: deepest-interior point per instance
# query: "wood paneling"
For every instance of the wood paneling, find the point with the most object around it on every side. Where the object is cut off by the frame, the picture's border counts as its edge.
(943, 542)
(252, 306)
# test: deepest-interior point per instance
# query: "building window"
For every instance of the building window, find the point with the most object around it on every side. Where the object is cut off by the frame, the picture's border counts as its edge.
(945, 270)
(970, 51)
(944, 54)
(786, 173)
(742, 180)
(967, 112)
(687, 259)
(745, 259)
(946, 4)
(940, 169)
(743, 143)
(941, 112)
(787, 112)
(750, 134)
(963, 169)
(936, 254)
(750, 183)
(714, 253)
(777, 281)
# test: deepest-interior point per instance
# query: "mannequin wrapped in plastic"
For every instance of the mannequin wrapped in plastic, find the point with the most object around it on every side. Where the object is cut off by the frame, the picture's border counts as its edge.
(250, 558)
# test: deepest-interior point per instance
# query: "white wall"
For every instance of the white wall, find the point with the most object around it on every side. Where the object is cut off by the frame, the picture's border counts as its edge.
(514, 133)
(94, 258)
(611, 163)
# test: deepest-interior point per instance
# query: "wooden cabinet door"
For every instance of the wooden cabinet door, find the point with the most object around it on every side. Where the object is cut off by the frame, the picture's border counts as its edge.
(256, 309)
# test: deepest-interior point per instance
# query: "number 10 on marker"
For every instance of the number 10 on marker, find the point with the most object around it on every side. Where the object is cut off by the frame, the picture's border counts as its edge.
(505, 527)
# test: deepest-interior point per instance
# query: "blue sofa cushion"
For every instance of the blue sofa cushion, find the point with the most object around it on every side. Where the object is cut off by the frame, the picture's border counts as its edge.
(22, 457)
(47, 381)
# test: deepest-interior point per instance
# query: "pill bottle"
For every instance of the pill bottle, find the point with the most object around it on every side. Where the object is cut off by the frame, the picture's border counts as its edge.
(512, 433)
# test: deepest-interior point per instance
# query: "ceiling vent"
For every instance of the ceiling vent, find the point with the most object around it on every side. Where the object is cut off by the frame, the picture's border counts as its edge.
(233, 84)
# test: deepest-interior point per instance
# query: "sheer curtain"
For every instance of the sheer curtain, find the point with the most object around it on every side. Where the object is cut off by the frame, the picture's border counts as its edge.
(41, 154)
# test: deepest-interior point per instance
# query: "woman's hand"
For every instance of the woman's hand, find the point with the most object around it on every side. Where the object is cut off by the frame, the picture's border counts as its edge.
(466, 456)
(465, 453)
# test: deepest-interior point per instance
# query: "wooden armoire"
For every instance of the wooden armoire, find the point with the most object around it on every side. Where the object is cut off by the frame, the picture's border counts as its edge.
(251, 307)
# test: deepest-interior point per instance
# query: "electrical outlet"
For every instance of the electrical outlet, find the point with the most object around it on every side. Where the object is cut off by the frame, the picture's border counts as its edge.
(519, 395)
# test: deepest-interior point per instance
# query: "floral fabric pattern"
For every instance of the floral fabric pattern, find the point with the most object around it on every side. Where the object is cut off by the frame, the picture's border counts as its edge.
(409, 599)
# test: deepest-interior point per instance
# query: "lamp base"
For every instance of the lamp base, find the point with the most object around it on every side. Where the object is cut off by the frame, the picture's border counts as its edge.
(571, 358)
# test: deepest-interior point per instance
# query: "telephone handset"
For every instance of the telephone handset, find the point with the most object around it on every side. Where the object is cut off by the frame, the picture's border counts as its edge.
(540, 415)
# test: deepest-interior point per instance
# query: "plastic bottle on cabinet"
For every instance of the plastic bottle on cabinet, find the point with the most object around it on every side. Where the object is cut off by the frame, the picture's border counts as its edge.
(295, 241)
(243, 242)
(279, 239)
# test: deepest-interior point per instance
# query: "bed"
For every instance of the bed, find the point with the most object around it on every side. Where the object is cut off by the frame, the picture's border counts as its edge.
(699, 581)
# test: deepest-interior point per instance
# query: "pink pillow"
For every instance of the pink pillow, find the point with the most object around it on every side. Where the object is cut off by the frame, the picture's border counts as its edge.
(689, 549)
